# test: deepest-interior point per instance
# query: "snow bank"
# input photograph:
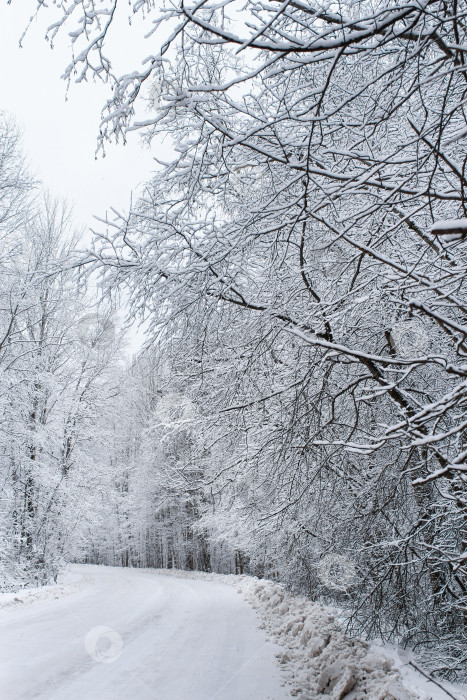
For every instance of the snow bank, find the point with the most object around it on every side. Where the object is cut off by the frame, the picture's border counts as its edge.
(318, 660)
(68, 583)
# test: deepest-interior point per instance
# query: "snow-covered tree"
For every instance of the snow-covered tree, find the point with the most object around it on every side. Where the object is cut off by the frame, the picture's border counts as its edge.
(55, 377)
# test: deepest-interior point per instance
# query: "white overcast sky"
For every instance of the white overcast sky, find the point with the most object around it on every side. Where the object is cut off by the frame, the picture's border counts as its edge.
(59, 135)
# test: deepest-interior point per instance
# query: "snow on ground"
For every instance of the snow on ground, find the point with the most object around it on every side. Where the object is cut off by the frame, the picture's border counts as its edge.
(413, 676)
(68, 582)
(127, 634)
(319, 661)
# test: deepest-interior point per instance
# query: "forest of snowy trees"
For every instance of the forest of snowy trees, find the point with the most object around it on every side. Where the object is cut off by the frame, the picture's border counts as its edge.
(300, 264)
(57, 376)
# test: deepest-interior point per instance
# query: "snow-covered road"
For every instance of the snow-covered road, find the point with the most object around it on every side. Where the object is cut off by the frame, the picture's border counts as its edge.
(169, 638)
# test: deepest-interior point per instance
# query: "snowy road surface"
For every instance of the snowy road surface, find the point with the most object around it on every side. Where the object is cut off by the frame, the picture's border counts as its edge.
(169, 639)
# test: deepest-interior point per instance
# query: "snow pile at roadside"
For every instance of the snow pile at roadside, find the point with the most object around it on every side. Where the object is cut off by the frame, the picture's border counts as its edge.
(68, 583)
(318, 660)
